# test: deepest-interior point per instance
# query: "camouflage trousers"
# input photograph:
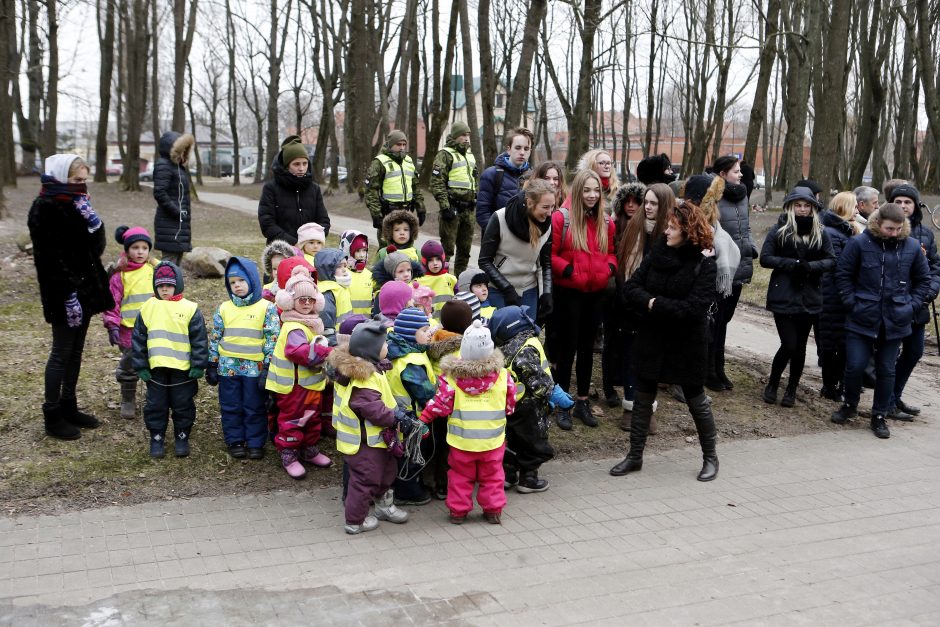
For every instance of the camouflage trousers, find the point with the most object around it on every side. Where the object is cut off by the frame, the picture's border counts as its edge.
(458, 232)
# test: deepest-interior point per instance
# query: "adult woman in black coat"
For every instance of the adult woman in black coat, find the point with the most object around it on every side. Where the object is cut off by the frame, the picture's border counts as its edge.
(68, 239)
(672, 291)
(799, 252)
(291, 198)
(171, 224)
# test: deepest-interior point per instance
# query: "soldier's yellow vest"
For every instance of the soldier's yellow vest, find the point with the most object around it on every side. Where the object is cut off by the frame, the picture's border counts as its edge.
(461, 170)
(348, 424)
(243, 333)
(478, 423)
(443, 286)
(398, 184)
(360, 292)
(168, 332)
(281, 371)
(340, 297)
(398, 367)
(487, 312)
(547, 367)
(138, 288)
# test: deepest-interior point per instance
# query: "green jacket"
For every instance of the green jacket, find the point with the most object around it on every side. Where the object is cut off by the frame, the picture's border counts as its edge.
(375, 176)
(440, 173)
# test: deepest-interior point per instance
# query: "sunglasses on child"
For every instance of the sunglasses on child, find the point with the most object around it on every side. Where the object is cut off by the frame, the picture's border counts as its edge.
(306, 300)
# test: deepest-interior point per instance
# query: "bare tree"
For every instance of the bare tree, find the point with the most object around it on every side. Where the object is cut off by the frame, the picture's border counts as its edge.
(210, 95)
(441, 104)
(135, 21)
(184, 27)
(51, 96)
(231, 93)
(518, 95)
(7, 165)
(327, 67)
(768, 53)
(487, 83)
(469, 95)
(105, 23)
(275, 60)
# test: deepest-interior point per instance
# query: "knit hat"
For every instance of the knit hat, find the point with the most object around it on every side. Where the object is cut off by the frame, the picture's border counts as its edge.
(456, 316)
(409, 321)
(287, 266)
(394, 137)
(310, 232)
(906, 190)
(471, 299)
(393, 259)
(696, 187)
(367, 339)
(811, 184)
(458, 129)
(292, 148)
(299, 285)
(352, 241)
(476, 343)
(276, 247)
(165, 274)
(393, 297)
(507, 322)
(351, 322)
(128, 235)
(470, 277)
(237, 270)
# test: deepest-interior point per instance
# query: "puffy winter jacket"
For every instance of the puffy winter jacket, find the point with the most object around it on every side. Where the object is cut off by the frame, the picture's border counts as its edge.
(499, 251)
(586, 271)
(489, 198)
(735, 220)
(832, 318)
(795, 283)
(287, 202)
(171, 224)
(928, 244)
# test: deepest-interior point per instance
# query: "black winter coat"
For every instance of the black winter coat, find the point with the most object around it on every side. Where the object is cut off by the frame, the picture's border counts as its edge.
(735, 220)
(928, 243)
(171, 224)
(832, 318)
(670, 343)
(289, 201)
(796, 281)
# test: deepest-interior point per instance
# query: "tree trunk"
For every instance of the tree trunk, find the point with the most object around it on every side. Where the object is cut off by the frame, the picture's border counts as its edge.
(7, 160)
(106, 43)
(50, 130)
(491, 148)
(183, 29)
(360, 93)
(192, 125)
(136, 19)
(905, 131)
(578, 128)
(799, 52)
(476, 144)
(30, 130)
(518, 96)
(409, 32)
(759, 106)
(231, 93)
(650, 80)
(275, 59)
(441, 109)
(154, 81)
(927, 66)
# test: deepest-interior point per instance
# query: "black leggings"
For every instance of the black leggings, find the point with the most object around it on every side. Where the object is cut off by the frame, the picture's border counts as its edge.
(725, 312)
(793, 330)
(575, 318)
(65, 362)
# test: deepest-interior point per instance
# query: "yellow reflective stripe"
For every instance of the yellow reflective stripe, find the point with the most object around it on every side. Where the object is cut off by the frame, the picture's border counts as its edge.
(474, 434)
(348, 438)
(160, 334)
(311, 379)
(390, 174)
(362, 304)
(403, 401)
(129, 314)
(375, 440)
(459, 164)
(281, 363)
(238, 348)
(460, 184)
(395, 197)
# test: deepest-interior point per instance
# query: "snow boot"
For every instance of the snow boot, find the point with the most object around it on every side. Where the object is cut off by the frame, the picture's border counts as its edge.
(291, 463)
(157, 443)
(128, 400)
(181, 444)
(56, 425)
(73, 415)
(385, 509)
(370, 523)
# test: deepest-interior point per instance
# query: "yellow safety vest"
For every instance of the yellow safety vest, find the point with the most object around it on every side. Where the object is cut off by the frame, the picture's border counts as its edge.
(436, 365)
(487, 312)
(168, 332)
(340, 297)
(360, 292)
(461, 170)
(411, 252)
(348, 425)
(138, 288)
(311, 259)
(478, 423)
(547, 367)
(398, 367)
(243, 332)
(399, 180)
(271, 287)
(443, 286)
(281, 372)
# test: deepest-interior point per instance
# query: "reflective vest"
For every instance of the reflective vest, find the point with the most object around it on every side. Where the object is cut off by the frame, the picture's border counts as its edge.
(243, 330)
(138, 288)
(487, 312)
(168, 332)
(360, 292)
(398, 367)
(411, 252)
(281, 372)
(311, 259)
(478, 423)
(348, 425)
(399, 180)
(547, 367)
(461, 170)
(443, 286)
(436, 365)
(340, 297)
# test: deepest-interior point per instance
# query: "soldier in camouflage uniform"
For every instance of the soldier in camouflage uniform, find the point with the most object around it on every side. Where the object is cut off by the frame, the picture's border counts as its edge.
(454, 185)
(391, 183)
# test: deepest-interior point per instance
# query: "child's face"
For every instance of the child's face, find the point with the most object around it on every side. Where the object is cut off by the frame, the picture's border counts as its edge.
(361, 255)
(165, 291)
(239, 286)
(342, 269)
(403, 271)
(435, 265)
(304, 305)
(275, 262)
(138, 252)
(423, 335)
(312, 247)
(401, 233)
(481, 290)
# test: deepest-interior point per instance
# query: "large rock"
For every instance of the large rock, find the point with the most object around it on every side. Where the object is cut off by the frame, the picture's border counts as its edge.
(206, 262)
(24, 243)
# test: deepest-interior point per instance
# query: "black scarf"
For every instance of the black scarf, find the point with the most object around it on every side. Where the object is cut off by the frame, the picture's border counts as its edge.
(735, 193)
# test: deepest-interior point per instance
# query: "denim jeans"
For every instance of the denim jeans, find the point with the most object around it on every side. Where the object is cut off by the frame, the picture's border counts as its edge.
(858, 350)
(530, 297)
(912, 349)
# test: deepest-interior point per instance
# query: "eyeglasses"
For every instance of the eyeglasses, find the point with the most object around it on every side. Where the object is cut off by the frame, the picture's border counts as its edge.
(306, 300)
(604, 163)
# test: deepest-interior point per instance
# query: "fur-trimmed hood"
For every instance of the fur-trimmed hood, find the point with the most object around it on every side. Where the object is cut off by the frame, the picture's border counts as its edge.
(444, 343)
(628, 190)
(400, 215)
(874, 227)
(459, 368)
(176, 147)
(349, 367)
(277, 247)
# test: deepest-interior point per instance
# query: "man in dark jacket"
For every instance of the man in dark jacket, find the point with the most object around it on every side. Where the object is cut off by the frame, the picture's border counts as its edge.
(291, 198)
(882, 277)
(454, 185)
(391, 183)
(500, 181)
(171, 224)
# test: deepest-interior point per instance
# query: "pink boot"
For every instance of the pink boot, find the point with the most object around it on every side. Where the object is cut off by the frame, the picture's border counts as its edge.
(291, 463)
(312, 455)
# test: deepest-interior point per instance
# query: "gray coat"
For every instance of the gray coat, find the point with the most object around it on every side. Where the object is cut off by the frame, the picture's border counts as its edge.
(735, 220)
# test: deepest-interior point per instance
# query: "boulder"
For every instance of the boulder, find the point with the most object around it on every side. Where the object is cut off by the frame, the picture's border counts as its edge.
(24, 242)
(207, 262)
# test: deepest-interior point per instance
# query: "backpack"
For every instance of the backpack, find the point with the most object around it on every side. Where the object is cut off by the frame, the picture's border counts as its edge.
(567, 217)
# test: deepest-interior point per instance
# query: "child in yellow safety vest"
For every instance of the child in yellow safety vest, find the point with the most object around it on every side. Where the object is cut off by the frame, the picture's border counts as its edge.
(296, 374)
(131, 286)
(436, 275)
(170, 354)
(478, 283)
(311, 238)
(271, 258)
(476, 393)
(241, 341)
(400, 230)
(396, 267)
(355, 247)
(333, 279)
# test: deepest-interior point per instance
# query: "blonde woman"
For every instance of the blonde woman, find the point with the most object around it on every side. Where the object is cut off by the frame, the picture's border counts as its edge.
(600, 162)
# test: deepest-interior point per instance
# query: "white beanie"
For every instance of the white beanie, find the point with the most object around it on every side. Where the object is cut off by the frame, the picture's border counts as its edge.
(476, 343)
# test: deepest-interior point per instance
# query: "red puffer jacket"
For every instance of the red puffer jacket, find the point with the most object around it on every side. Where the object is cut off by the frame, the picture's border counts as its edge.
(589, 270)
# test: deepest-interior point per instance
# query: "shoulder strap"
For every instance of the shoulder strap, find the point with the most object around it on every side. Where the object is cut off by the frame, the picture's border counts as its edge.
(498, 180)
(564, 228)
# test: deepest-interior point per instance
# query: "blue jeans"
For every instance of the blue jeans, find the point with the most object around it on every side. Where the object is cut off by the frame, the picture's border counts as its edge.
(912, 349)
(858, 350)
(530, 298)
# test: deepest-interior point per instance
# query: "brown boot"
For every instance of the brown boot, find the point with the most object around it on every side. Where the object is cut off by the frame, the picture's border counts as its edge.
(626, 420)
(654, 426)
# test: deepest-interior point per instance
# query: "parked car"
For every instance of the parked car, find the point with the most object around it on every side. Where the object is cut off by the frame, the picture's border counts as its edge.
(114, 169)
(340, 172)
(759, 181)
(147, 175)
(248, 171)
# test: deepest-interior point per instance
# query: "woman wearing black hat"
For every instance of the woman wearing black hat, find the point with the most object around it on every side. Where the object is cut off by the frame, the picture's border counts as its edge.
(291, 198)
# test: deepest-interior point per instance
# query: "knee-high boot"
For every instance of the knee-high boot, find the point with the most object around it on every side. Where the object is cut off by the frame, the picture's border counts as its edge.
(642, 413)
(701, 410)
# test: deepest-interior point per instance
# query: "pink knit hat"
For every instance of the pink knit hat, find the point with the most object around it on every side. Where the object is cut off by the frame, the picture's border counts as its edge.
(393, 297)
(299, 285)
(126, 236)
(310, 232)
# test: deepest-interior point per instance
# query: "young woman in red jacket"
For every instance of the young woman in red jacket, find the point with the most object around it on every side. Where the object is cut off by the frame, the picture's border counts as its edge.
(583, 260)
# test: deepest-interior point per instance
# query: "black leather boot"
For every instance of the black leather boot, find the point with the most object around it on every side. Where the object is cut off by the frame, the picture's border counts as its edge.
(73, 415)
(639, 429)
(789, 396)
(57, 426)
(701, 410)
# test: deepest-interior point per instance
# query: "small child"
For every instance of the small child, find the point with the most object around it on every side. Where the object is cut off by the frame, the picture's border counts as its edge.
(242, 339)
(296, 374)
(476, 281)
(311, 238)
(355, 246)
(395, 266)
(424, 298)
(393, 297)
(333, 282)
(400, 230)
(364, 408)
(477, 393)
(170, 354)
(131, 286)
(472, 301)
(274, 253)
(436, 275)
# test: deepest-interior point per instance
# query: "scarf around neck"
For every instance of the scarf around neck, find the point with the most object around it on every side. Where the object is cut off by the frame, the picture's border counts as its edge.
(727, 258)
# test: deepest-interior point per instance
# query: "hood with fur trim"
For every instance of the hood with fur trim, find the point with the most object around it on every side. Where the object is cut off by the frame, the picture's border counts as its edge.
(443, 343)
(349, 367)
(328, 260)
(628, 190)
(472, 368)
(874, 227)
(176, 146)
(277, 247)
(250, 270)
(400, 215)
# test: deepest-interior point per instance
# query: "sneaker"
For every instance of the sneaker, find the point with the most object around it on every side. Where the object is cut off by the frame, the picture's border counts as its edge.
(879, 427)
(582, 410)
(896, 414)
(908, 409)
(237, 450)
(422, 499)
(312, 455)
(612, 398)
(843, 414)
(530, 483)
(457, 519)
(370, 523)
(390, 513)
(563, 418)
(512, 478)
(493, 517)
(291, 463)
(255, 453)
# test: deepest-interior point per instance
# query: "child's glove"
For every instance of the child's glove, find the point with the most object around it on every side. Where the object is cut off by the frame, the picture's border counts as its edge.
(262, 378)
(114, 336)
(212, 375)
(144, 375)
(83, 204)
(73, 311)
(196, 373)
(560, 398)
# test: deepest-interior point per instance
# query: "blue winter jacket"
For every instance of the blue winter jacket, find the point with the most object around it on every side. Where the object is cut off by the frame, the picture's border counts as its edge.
(832, 318)
(489, 198)
(925, 238)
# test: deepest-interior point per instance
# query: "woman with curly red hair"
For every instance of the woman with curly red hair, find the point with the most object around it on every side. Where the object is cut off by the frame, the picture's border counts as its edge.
(672, 291)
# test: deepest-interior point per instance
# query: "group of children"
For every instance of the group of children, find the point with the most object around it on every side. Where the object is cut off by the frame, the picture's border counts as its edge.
(330, 347)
